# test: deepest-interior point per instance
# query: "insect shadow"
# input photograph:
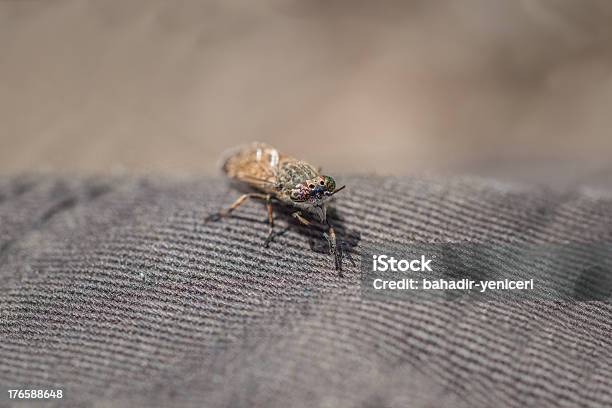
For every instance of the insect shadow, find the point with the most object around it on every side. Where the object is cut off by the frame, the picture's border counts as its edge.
(347, 238)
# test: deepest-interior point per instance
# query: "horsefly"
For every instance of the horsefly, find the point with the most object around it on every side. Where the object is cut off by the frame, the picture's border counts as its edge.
(284, 179)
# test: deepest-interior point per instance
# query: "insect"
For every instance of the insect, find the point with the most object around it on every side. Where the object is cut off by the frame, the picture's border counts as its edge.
(282, 178)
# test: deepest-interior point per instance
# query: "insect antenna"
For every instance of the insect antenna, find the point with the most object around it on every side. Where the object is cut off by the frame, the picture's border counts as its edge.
(338, 189)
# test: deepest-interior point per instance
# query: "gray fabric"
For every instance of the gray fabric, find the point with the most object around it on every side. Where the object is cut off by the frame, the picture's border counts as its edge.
(115, 291)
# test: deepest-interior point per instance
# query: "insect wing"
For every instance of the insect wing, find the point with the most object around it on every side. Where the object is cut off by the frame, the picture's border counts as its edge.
(255, 164)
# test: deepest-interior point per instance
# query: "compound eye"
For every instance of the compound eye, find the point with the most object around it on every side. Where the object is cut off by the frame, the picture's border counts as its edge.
(330, 184)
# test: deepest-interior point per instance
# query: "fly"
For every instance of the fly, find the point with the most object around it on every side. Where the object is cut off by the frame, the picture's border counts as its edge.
(279, 177)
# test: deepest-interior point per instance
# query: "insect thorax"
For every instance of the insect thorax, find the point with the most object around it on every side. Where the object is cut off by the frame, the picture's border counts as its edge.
(294, 172)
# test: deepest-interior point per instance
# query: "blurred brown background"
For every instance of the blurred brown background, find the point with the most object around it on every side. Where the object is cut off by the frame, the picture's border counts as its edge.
(518, 89)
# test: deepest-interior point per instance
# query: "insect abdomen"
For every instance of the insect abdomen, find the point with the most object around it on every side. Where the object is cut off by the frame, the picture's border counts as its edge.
(255, 164)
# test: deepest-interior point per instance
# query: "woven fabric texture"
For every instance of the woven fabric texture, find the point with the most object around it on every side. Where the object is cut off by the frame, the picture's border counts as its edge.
(118, 292)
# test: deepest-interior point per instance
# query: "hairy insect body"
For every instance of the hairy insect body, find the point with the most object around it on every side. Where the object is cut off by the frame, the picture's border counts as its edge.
(283, 178)
(291, 173)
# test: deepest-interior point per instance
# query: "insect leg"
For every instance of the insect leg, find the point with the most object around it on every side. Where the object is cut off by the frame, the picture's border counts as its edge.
(226, 211)
(330, 236)
(270, 220)
(298, 216)
(333, 246)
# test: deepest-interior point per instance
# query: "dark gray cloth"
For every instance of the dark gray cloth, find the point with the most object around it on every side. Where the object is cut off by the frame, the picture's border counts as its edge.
(117, 292)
